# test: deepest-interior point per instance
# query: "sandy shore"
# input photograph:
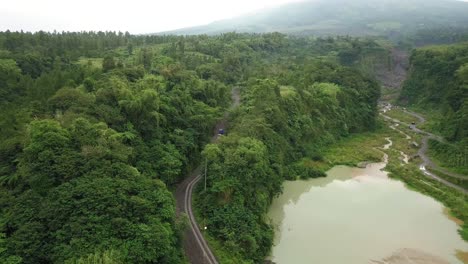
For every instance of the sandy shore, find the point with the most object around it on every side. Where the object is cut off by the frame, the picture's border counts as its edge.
(411, 256)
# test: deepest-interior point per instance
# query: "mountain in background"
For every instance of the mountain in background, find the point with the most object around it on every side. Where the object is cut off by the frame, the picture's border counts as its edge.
(344, 17)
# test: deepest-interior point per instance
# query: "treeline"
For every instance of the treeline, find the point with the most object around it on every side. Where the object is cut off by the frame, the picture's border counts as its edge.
(431, 36)
(97, 127)
(438, 80)
(36, 53)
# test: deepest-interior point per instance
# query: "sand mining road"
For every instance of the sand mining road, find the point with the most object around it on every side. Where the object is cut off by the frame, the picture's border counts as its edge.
(422, 152)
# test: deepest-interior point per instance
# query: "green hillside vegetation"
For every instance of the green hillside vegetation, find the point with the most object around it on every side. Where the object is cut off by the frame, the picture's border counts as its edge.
(89, 148)
(438, 80)
(98, 127)
(451, 156)
(438, 84)
(282, 119)
(397, 19)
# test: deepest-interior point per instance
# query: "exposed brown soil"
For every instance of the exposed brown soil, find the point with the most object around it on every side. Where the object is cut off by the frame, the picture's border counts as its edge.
(463, 256)
(395, 75)
(411, 256)
(451, 217)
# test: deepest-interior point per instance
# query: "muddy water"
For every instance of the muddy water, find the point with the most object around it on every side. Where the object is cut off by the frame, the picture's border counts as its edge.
(359, 216)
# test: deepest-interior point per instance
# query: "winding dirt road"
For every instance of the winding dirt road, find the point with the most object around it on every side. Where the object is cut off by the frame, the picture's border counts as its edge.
(195, 246)
(422, 152)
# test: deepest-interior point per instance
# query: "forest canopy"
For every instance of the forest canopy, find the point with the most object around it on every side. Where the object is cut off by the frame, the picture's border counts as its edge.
(97, 128)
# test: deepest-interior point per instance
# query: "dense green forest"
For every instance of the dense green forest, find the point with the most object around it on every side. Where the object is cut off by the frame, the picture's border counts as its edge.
(93, 132)
(438, 81)
(275, 128)
(438, 84)
(97, 128)
(293, 112)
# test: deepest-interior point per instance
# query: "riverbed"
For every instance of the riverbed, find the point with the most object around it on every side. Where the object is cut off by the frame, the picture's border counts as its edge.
(358, 216)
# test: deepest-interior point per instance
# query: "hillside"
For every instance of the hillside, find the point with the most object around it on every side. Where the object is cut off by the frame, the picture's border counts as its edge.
(438, 81)
(96, 129)
(341, 17)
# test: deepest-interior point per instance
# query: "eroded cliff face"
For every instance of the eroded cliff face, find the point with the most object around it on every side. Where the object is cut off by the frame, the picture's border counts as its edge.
(392, 75)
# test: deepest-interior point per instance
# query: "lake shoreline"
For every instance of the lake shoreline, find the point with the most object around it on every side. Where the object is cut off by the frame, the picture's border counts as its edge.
(362, 144)
(361, 176)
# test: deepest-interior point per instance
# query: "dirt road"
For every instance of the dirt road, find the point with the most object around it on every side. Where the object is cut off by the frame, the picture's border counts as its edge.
(422, 152)
(195, 246)
(425, 146)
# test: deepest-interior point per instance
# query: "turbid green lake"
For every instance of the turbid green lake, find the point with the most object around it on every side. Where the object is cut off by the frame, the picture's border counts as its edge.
(358, 216)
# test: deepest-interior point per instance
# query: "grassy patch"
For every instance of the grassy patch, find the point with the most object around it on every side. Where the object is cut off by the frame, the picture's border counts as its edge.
(202, 56)
(330, 89)
(287, 90)
(357, 148)
(93, 62)
(398, 113)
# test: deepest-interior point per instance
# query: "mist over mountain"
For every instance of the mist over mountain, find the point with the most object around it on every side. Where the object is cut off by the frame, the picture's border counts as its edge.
(339, 17)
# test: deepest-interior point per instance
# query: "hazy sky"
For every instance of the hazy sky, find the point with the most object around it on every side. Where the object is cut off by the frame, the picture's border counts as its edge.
(135, 16)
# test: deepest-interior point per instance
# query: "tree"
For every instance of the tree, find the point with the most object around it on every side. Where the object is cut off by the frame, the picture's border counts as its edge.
(9, 77)
(48, 158)
(88, 156)
(66, 98)
(105, 257)
(4, 258)
(145, 58)
(130, 49)
(108, 63)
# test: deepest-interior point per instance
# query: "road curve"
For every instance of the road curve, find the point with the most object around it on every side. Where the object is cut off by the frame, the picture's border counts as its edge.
(195, 246)
(425, 147)
(426, 161)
